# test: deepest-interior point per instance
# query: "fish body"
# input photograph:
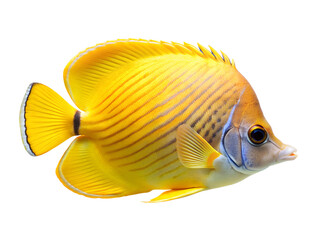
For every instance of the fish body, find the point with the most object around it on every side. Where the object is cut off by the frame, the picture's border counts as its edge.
(153, 115)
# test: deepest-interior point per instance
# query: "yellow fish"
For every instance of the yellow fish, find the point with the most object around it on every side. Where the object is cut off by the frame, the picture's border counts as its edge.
(152, 115)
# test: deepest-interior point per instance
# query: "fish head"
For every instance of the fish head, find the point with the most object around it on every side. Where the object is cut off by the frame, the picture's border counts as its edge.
(248, 140)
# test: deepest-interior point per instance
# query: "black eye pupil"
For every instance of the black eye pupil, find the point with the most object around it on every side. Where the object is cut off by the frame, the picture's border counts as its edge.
(258, 135)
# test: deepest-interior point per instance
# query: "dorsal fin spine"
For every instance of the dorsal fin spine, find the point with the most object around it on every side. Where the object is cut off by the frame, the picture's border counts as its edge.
(205, 52)
(111, 54)
(169, 47)
(225, 58)
(216, 54)
(181, 48)
(193, 49)
(233, 63)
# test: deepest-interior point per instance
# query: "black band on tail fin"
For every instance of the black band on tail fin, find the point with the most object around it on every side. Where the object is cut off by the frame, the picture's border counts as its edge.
(23, 127)
(45, 119)
(76, 122)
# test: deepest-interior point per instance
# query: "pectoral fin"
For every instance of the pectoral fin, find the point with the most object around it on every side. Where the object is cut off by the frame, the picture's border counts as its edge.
(193, 150)
(174, 194)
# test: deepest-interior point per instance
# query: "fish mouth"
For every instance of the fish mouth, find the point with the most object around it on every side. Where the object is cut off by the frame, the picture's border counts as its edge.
(289, 153)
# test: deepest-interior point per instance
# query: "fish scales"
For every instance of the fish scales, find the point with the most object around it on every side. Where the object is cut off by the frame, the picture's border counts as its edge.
(152, 115)
(140, 142)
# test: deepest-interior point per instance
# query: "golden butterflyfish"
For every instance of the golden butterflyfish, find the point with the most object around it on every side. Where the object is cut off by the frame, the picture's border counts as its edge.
(152, 115)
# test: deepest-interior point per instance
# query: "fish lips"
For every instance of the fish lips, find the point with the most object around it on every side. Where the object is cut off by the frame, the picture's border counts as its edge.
(287, 154)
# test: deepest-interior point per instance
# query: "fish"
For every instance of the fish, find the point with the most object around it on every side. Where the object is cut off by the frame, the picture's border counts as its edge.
(151, 115)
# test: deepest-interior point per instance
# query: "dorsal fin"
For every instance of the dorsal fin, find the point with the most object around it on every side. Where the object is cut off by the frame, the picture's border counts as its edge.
(89, 71)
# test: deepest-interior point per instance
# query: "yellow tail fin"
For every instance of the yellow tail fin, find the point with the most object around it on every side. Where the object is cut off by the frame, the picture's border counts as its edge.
(46, 119)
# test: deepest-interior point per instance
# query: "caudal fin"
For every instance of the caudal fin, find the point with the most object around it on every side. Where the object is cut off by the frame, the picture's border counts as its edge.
(46, 119)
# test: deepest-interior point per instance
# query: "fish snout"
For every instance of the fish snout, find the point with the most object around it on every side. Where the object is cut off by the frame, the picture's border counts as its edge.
(288, 153)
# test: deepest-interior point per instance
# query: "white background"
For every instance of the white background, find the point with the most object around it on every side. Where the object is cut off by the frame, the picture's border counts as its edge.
(276, 47)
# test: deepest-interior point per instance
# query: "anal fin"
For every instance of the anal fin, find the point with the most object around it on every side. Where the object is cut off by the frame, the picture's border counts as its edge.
(174, 194)
(83, 170)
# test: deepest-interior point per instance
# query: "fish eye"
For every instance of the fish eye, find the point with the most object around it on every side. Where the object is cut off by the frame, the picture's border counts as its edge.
(257, 135)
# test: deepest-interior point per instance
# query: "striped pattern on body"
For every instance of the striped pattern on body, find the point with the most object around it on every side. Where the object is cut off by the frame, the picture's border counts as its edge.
(135, 114)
